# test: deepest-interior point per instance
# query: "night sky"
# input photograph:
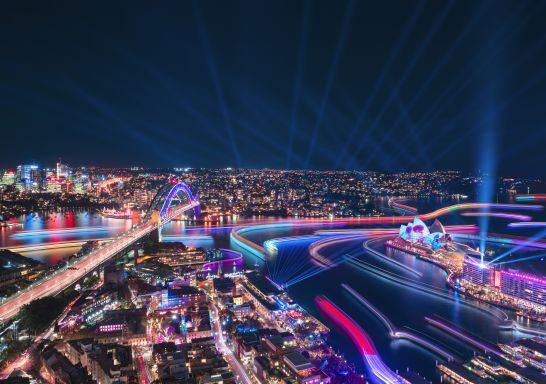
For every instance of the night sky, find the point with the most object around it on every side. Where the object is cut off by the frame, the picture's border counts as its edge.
(382, 85)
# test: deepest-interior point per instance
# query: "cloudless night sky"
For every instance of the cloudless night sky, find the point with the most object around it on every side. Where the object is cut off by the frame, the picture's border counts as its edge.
(381, 85)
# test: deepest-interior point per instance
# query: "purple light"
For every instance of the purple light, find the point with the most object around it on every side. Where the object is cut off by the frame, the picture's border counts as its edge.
(172, 194)
(502, 215)
(528, 224)
(231, 259)
(468, 339)
(524, 276)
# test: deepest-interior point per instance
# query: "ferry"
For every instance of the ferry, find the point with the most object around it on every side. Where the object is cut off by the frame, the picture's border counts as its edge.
(115, 214)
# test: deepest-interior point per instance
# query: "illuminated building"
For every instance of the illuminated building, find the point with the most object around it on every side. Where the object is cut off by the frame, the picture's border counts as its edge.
(430, 243)
(62, 170)
(523, 286)
(143, 197)
(56, 368)
(418, 232)
(53, 185)
(197, 323)
(531, 351)
(28, 177)
(457, 373)
(8, 178)
(56, 185)
(517, 290)
(262, 294)
(476, 273)
(298, 364)
(182, 297)
(126, 326)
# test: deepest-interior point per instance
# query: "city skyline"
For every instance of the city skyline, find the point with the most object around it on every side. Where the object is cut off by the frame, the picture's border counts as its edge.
(273, 192)
(389, 86)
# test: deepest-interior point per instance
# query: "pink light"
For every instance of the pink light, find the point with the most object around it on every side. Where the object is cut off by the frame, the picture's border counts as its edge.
(524, 276)
(353, 331)
(373, 361)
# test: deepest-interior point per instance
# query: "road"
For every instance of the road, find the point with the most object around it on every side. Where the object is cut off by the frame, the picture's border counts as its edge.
(237, 367)
(23, 359)
(74, 271)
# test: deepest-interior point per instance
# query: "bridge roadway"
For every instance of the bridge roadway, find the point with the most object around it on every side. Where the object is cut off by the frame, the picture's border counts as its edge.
(74, 271)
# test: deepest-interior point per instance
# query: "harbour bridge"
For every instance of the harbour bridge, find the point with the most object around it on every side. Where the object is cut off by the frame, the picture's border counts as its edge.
(170, 202)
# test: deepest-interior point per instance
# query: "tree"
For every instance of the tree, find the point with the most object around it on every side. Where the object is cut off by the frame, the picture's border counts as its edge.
(40, 313)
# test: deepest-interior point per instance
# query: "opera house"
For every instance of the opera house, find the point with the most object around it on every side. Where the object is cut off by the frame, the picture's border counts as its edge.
(418, 232)
(430, 243)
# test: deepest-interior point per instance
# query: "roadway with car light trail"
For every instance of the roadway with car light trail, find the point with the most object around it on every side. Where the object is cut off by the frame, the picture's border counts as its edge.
(63, 278)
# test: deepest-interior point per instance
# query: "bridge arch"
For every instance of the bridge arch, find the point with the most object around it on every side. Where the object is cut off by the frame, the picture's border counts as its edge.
(171, 195)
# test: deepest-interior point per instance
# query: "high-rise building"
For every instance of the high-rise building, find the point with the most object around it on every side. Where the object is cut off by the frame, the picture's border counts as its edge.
(54, 185)
(523, 286)
(476, 273)
(143, 197)
(8, 178)
(62, 170)
(28, 177)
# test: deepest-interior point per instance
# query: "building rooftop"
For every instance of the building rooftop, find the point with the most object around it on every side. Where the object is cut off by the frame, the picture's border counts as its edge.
(299, 361)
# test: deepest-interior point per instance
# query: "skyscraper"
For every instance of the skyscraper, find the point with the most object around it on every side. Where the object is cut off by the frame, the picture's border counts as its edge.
(524, 286)
(8, 178)
(28, 177)
(62, 170)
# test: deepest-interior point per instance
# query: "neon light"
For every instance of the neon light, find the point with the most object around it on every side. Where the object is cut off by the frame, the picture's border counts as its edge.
(173, 193)
(524, 276)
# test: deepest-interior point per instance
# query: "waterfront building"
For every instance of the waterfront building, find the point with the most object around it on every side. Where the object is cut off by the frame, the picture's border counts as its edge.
(56, 185)
(512, 288)
(261, 293)
(523, 286)
(418, 232)
(477, 273)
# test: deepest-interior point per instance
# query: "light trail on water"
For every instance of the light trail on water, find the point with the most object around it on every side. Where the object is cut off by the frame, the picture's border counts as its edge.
(528, 224)
(379, 371)
(423, 287)
(460, 334)
(500, 215)
(396, 333)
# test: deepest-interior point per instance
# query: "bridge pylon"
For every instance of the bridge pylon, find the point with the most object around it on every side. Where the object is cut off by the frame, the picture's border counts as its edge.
(156, 219)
